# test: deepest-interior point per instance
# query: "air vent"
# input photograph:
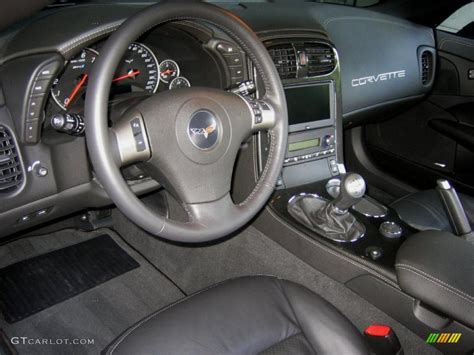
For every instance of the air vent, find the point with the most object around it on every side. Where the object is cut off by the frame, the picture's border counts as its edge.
(284, 57)
(11, 174)
(320, 59)
(426, 67)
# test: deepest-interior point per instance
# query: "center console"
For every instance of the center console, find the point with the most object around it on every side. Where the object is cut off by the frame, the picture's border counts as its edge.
(309, 70)
(311, 115)
(313, 183)
(320, 213)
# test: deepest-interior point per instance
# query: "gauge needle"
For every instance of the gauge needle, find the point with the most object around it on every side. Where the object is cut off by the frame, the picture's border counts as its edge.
(76, 90)
(130, 74)
(167, 71)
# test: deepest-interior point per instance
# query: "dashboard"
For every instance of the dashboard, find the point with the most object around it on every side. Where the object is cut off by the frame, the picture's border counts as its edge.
(350, 71)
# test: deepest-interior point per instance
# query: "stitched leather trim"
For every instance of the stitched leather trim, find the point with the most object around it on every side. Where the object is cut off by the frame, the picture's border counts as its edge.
(436, 281)
(98, 32)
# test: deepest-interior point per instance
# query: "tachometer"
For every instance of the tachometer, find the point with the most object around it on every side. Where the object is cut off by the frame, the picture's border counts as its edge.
(139, 69)
(71, 84)
(169, 70)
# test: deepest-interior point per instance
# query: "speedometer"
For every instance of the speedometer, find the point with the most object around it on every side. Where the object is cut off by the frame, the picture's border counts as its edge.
(138, 69)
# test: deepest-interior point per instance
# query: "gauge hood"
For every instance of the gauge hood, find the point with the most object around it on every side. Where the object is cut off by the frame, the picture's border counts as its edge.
(12, 11)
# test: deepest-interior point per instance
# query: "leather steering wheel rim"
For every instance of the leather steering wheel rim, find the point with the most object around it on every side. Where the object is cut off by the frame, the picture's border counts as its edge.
(208, 220)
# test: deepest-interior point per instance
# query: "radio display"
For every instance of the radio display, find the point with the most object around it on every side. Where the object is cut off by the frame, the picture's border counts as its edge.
(310, 143)
(308, 103)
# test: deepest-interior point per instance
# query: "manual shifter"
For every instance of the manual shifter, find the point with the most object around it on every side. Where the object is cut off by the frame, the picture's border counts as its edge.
(332, 219)
(351, 191)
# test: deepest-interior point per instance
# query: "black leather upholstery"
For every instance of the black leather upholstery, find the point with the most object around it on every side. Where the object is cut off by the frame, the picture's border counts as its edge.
(249, 315)
(423, 210)
(437, 268)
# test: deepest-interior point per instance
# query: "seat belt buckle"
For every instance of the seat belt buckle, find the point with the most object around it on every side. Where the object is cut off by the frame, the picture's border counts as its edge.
(382, 340)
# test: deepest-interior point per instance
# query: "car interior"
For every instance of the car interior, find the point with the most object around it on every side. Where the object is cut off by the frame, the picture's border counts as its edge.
(225, 177)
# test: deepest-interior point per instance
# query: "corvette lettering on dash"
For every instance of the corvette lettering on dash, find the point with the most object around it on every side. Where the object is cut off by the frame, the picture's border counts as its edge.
(379, 77)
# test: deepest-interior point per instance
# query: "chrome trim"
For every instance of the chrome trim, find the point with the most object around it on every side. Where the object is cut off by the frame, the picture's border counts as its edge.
(443, 184)
(390, 234)
(296, 40)
(303, 194)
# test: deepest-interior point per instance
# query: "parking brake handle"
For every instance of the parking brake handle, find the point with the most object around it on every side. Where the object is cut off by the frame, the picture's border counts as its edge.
(454, 209)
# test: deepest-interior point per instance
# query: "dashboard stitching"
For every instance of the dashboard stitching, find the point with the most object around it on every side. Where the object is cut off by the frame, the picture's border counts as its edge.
(86, 37)
(407, 26)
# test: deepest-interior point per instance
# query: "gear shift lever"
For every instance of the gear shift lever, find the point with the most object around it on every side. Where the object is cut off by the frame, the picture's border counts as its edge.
(332, 219)
(352, 189)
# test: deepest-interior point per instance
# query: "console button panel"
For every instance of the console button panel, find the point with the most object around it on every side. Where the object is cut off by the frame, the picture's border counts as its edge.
(36, 100)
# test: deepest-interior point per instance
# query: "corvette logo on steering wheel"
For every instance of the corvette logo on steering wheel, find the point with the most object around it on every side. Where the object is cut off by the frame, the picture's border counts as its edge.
(203, 130)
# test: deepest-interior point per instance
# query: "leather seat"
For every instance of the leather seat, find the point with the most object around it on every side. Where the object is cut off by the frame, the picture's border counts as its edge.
(249, 315)
(423, 210)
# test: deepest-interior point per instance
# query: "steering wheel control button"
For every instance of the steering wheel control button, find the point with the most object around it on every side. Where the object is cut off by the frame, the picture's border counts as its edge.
(136, 127)
(226, 48)
(203, 130)
(138, 134)
(263, 115)
(140, 142)
(375, 253)
(390, 230)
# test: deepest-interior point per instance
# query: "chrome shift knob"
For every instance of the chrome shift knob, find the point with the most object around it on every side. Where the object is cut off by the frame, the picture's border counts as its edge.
(352, 189)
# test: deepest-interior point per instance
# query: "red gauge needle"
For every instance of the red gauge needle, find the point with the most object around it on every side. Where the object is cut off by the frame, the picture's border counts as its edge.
(76, 90)
(131, 74)
(167, 71)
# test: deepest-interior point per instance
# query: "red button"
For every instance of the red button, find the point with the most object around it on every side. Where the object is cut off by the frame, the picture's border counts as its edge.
(378, 330)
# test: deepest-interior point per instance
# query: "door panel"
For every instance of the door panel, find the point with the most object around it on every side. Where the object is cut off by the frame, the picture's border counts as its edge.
(434, 138)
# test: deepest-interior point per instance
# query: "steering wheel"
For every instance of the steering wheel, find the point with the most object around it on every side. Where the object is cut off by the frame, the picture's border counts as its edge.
(187, 139)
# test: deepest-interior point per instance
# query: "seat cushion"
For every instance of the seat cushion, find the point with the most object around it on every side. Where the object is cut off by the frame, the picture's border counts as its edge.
(248, 315)
(423, 210)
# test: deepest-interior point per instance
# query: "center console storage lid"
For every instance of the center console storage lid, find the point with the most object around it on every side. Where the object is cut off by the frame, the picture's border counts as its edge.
(437, 268)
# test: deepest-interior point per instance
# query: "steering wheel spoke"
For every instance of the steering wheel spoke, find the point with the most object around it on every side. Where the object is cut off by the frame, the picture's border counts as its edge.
(209, 214)
(262, 113)
(131, 139)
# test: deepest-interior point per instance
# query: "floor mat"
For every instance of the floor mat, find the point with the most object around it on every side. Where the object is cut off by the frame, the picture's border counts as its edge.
(87, 323)
(35, 284)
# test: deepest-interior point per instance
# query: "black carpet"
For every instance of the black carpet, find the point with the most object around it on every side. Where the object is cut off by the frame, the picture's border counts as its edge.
(35, 284)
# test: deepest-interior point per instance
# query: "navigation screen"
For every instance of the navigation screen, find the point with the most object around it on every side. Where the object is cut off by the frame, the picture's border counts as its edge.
(308, 103)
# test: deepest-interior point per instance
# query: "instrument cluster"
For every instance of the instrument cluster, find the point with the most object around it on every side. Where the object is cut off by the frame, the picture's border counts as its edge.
(139, 71)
